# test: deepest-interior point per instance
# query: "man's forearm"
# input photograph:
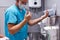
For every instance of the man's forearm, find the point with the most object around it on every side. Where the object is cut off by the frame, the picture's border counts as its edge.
(35, 21)
(17, 27)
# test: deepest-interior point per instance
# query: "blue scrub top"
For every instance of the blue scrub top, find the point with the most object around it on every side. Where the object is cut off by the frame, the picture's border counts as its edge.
(14, 15)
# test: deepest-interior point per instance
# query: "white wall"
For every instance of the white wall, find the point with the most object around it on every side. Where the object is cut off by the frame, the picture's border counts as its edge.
(6, 2)
(58, 7)
(51, 3)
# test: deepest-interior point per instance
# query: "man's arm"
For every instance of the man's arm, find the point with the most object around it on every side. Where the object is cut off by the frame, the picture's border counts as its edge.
(1, 36)
(15, 28)
(35, 21)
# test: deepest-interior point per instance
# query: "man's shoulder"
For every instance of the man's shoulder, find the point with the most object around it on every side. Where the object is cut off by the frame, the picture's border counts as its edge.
(11, 8)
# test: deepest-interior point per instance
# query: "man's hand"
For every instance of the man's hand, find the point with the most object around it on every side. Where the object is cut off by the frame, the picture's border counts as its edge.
(15, 28)
(28, 16)
(35, 21)
(46, 14)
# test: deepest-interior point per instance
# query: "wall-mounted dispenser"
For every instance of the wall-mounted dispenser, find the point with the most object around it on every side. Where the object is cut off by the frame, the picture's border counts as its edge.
(34, 3)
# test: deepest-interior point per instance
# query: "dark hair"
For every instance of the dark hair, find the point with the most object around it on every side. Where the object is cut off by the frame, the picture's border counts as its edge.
(17, 0)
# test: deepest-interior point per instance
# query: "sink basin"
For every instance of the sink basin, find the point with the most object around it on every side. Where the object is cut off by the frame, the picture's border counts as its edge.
(51, 27)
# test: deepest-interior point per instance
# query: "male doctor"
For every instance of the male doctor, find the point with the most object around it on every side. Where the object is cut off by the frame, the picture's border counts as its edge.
(17, 20)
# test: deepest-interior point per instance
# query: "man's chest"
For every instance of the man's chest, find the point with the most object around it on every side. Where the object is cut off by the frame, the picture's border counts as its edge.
(20, 16)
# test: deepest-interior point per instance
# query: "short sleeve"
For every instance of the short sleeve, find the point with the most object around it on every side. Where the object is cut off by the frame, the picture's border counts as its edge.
(11, 17)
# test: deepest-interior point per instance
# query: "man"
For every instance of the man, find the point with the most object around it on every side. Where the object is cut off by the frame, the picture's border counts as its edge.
(16, 21)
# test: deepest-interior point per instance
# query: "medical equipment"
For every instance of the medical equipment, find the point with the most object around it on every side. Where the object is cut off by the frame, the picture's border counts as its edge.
(34, 3)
